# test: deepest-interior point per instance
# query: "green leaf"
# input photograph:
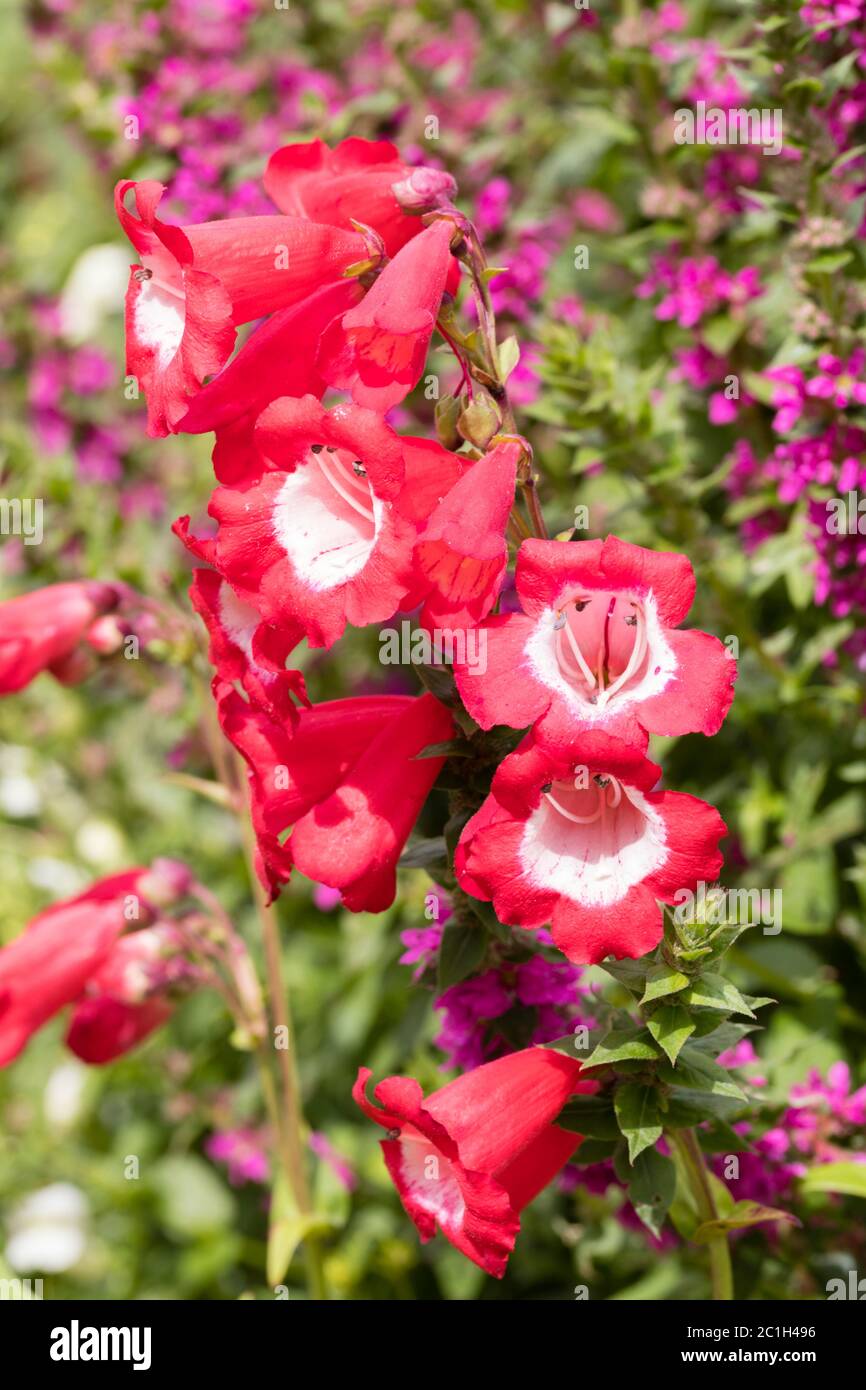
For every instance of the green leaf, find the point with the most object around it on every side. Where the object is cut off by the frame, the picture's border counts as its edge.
(652, 1187)
(623, 1045)
(638, 1116)
(423, 852)
(715, 992)
(662, 980)
(829, 262)
(595, 1150)
(450, 748)
(630, 973)
(461, 952)
(592, 1116)
(848, 1179)
(287, 1228)
(698, 1072)
(741, 1216)
(671, 1027)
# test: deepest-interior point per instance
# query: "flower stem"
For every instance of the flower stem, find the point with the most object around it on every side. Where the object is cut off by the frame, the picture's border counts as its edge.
(284, 1109)
(686, 1144)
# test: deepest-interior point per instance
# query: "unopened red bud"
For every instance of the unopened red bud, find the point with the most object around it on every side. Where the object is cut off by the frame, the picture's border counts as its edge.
(424, 189)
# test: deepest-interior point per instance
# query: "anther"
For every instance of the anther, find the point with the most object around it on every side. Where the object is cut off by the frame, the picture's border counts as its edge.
(317, 448)
(143, 274)
(358, 469)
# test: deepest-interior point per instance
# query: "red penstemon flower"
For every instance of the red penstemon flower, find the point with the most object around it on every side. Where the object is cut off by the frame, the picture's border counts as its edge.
(578, 839)
(347, 780)
(325, 535)
(597, 647)
(471, 1156)
(43, 630)
(51, 962)
(195, 284)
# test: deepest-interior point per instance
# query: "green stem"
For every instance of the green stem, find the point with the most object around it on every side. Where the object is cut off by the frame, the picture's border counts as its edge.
(686, 1144)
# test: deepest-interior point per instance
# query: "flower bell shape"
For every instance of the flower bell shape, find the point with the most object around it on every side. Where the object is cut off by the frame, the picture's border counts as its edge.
(346, 779)
(195, 284)
(355, 182)
(325, 536)
(462, 552)
(475, 1153)
(577, 839)
(42, 630)
(244, 649)
(597, 647)
(50, 963)
(378, 349)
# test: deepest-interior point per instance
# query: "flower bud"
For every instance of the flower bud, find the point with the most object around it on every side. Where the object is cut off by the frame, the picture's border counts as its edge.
(424, 189)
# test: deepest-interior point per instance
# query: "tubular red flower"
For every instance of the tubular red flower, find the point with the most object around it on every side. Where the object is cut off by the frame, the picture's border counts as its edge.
(476, 1152)
(195, 284)
(377, 350)
(102, 1028)
(354, 182)
(596, 648)
(41, 630)
(578, 839)
(346, 778)
(279, 359)
(243, 648)
(462, 552)
(50, 963)
(125, 999)
(326, 535)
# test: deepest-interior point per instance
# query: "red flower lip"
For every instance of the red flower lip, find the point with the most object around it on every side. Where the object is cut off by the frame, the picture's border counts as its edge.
(195, 284)
(578, 839)
(475, 1153)
(597, 647)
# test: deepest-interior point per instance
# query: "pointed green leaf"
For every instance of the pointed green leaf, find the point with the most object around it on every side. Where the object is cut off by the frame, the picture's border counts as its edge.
(741, 1216)
(592, 1116)
(461, 952)
(662, 980)
(715, 992)
(671, 1027)
(652, 1187)
(638, 1116)
(621, 1045)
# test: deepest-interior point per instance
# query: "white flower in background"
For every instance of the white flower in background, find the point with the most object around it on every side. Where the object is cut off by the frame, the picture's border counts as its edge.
(47, 1230)
(56, 876)
(95, 287)
(63, 1097)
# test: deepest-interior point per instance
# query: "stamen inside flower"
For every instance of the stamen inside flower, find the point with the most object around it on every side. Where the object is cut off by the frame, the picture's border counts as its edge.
(601, 645)
(592, 838)
(326, 516)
